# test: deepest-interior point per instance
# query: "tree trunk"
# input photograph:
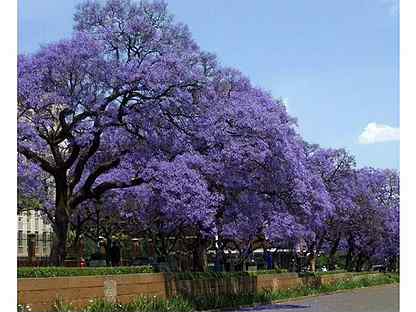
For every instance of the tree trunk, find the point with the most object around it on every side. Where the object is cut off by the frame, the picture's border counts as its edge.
(397, 264)
(312, 261)
(394, 264)
(348, 261)
(108, 245)
(200, 260)
(332, 252)
(58, 251)
(313, 254)
(359, 263)
(61, 222)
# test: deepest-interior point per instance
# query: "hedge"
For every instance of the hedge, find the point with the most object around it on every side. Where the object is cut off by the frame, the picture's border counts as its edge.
(207, 275)
(27, 272)
(222, 275)
(263, 272)
(321, 273)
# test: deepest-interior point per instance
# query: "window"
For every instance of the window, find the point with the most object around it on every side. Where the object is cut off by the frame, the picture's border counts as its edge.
(37, 240)
(44, 239)
(20, 238)
(28, 223)
(20, 222)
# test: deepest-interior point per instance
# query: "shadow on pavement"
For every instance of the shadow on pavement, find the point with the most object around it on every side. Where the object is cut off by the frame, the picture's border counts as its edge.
(275, 307)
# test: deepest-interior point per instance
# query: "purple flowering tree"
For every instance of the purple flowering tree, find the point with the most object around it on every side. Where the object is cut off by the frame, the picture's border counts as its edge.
(128, 120)
(335, 168)
(90, 107)
(372, 228)
(251, 154)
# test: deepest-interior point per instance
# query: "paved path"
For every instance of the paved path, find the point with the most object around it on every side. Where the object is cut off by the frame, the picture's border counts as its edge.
(373, 299)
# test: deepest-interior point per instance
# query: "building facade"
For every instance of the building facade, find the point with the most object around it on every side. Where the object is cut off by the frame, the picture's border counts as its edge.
(32, 222)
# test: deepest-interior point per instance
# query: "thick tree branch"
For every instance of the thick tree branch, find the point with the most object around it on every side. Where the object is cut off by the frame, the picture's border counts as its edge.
(101, 169)
(44, 164)
(105, 186)
(102, 188)
(79, 168)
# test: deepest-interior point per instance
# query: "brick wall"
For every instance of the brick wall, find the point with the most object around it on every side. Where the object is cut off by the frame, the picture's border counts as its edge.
(278, 281)
(40, 293)
(211, 287)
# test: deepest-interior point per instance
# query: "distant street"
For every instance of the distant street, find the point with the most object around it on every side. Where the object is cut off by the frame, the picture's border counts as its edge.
(373, 299)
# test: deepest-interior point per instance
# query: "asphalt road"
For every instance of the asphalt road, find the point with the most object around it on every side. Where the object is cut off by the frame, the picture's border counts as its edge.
(373, 299)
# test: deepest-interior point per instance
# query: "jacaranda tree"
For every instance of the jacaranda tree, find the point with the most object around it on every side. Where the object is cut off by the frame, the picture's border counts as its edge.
(128, 121)
(88, 107)
(335, 168)
(372, 231)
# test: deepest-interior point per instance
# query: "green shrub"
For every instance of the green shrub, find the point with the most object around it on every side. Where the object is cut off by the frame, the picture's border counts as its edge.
(61, 306)
(26, 272)
(330, 272)
(222, 275)
(263, 272)
(320, 273)
(208, 275)
(141, 304)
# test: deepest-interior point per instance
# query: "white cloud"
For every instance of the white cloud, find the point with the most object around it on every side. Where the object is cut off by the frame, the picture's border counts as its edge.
(375, 133)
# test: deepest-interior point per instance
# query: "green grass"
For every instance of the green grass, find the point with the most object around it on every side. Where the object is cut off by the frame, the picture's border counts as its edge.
(141, 304)
(27, 272)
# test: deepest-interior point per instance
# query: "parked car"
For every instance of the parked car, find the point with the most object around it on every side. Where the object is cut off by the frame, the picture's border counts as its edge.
(378, 268)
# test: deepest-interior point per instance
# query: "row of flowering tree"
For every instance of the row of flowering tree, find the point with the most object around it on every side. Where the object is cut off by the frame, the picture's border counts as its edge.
(128, 121)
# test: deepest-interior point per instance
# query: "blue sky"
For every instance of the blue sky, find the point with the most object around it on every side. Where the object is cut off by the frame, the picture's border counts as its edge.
(334, 62)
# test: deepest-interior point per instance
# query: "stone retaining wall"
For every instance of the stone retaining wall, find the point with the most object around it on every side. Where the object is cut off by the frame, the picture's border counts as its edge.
(282, 281)
(211, 287)
(41, 293)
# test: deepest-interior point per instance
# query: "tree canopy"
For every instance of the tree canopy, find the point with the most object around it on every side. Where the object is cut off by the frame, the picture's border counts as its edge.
(129, 117)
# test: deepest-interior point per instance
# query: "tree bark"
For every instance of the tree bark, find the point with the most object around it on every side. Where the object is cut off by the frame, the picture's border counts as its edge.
(61, 222)
(332, 252)
(359, 263)
(348, 260)
(200, 260)
(313, 250)
(58, 251)
(312, 261)
(109, 243)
